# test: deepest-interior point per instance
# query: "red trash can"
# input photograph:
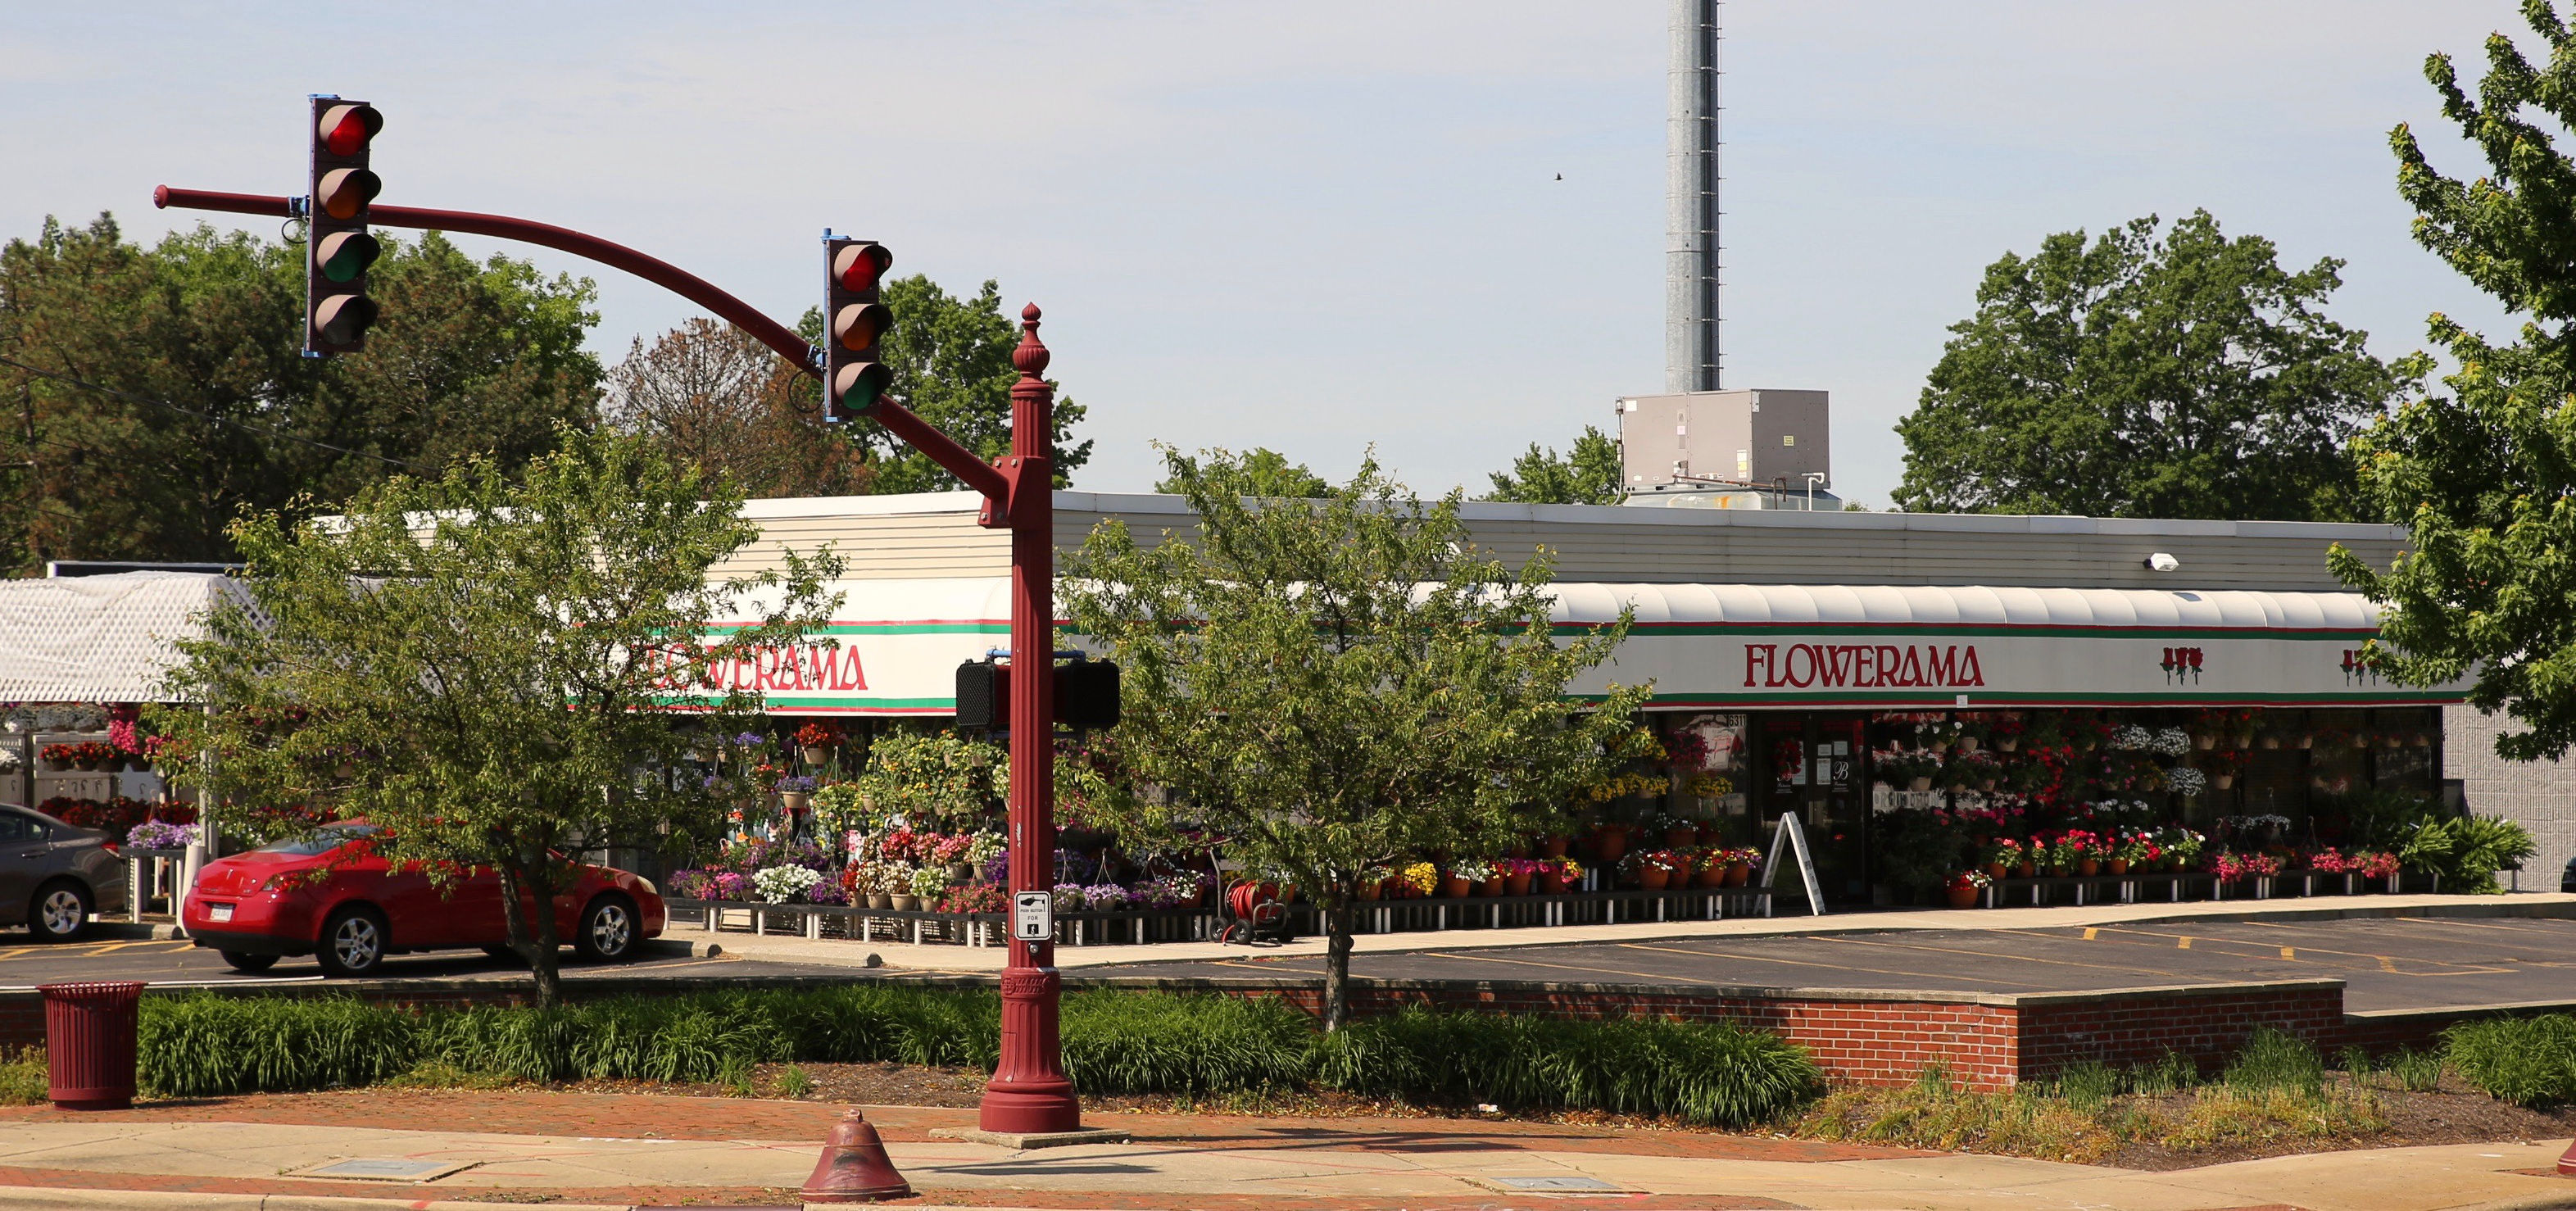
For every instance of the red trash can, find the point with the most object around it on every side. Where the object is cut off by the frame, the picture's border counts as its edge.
(89, 1043)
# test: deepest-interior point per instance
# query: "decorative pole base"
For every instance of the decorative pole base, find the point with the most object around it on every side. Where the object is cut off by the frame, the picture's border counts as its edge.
(854, 1167)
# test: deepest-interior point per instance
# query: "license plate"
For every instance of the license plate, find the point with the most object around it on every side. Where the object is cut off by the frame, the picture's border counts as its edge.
(219, 912)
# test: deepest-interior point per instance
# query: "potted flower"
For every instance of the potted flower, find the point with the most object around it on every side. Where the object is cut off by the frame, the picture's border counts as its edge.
(1419, 879)
(795, 792)
(1559, 875)
(815, 742)
(1553, 845)
(921, 883)
(2085, 849)
(1106, 897)
(1978, 769)
(2006, 731)
(2224, 767)
(782, 884)
(1679, 833)
(1483, 878)
(2186, 781)
(1966, 887)
(2001, 855)
(1455, 886)
(56, 756)
(1655, 871)
(1706, 785)
(1518, 874)
(2134, 849)
(1739, 865)
(1067, 897)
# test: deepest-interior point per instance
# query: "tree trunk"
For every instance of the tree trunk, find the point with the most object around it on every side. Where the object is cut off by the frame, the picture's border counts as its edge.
(534, 940)
(1337, 959)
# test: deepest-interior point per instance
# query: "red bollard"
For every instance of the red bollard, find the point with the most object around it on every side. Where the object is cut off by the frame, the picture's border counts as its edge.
(854, 1167)
(2567, 1162)
(89, 1044)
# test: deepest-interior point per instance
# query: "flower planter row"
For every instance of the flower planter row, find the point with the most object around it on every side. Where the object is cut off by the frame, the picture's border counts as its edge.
(2130, 888)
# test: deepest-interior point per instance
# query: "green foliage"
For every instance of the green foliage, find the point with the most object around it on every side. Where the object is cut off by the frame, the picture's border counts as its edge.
(470, 361)
(2375, 818)
(2465, 851)
(934, 776)
(2272, 1060)
(1184, 1044)
(2525, 1061)
(951, 359)
(1115, 1043)
(2088, 1084)
(1255, 472)
(2173, 1073)
(23, 1079)
(1715, 1074)
(2484, 476)
(1330, 684)
(2418, 1071)
(483, 685)
(724, 404)
(2186, 375)
(1590, 473)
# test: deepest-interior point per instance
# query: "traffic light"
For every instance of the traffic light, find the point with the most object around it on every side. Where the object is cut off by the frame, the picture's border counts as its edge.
(337, 248)
(854, 322)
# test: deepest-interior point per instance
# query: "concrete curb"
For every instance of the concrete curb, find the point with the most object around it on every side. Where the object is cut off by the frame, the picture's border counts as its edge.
(667, 947)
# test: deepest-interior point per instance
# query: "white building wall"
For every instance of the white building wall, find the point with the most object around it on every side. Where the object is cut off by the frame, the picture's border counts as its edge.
(2539, 795)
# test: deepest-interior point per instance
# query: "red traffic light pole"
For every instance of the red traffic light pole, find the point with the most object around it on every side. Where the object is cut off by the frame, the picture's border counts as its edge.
(1029, 1093)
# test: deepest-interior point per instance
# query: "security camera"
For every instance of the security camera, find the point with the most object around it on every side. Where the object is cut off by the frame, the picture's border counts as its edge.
(2161, 562)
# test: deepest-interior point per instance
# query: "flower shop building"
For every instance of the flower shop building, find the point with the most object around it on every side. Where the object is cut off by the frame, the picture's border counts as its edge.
(1874, 674)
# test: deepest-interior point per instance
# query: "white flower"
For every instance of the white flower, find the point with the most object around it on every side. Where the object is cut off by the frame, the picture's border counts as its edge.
(8, 757)
(2173, 742)
(2131, 736)
(2186, 780)
(780, 884)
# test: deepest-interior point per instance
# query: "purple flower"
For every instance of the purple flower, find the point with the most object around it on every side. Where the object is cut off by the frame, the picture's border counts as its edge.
(751, 740)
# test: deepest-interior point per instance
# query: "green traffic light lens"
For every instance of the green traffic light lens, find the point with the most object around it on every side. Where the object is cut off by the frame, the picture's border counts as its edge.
(345, 255)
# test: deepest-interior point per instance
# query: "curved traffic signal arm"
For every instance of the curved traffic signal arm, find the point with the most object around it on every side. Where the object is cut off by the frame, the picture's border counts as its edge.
(337, 246)
(854, 379)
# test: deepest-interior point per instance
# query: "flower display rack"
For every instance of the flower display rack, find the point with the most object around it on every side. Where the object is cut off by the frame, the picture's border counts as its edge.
(2175, 886)
(927, 927)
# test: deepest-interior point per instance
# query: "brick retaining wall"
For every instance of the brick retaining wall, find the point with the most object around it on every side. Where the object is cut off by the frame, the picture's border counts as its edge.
(1987, 1041)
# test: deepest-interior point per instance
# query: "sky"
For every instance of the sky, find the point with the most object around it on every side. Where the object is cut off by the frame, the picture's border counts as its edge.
(1319, 227)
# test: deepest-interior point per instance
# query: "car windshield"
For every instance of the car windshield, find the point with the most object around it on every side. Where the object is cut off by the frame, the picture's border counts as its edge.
(320, 843)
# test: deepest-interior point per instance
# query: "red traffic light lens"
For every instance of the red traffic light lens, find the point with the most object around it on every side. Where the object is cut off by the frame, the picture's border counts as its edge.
(346, 129)
(858, 266)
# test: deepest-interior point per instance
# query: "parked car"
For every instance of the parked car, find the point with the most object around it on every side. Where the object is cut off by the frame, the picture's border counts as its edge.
(332, 896)
(54, 875)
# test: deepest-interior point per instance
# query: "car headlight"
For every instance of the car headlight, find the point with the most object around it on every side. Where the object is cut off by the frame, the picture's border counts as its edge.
(650, 888)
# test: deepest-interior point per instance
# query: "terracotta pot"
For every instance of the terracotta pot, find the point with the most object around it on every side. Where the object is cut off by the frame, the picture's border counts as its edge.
(1368, 891)
(2026, 870)
(2222, 781)
(87, 763)
(2088, 867)
(1964, 897)
(2205, 741)
(2244, 739)
(2270, 742)
(1552, 847)
(906, 903)
(1709, 876)
(57, 764)
(1921, 784)
(1612, 842)
(2307, 742)
(1968, 744)
(1681, 838)
(2086, 744)
(1521, 850)
(1995, 870)
(1492, 886)
(1738, 873)
(2008, 744)
(796, 801)
(878, 899)
(1552, 884)
(1653, 878)
(814, 755)
(1454, 888)
(1987, 785)
(2119, 866)
(1516, 885)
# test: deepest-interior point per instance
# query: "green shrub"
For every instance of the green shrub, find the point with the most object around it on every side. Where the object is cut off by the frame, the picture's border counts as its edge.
(2172, 1074)
(2417, 1071)
(1121, 1043)
(2273, 1060)
(23, 1080)
(2088, 1085)
(2526, 1061)
(203, 1044)
(1711, 1073)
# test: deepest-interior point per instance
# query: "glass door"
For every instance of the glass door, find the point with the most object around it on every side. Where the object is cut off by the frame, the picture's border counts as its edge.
(1811, 768)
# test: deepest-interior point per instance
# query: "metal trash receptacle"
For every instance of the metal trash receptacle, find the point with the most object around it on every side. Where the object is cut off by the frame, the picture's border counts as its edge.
(89, 1043)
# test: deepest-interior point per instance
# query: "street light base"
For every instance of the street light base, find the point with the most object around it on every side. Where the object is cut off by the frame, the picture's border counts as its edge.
(1025, 1140)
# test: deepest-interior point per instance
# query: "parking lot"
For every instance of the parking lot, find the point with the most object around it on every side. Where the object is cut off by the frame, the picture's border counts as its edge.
(2387, 963)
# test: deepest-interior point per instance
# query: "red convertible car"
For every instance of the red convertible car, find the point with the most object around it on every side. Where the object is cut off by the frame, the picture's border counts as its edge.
(331, 896)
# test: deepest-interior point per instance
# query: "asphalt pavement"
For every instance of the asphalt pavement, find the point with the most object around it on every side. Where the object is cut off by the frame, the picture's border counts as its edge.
(2386, 962)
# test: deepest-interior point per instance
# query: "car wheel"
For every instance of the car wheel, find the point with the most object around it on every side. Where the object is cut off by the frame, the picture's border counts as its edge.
(608, 930)
(353, 943)
(239, 961)
(59, 913)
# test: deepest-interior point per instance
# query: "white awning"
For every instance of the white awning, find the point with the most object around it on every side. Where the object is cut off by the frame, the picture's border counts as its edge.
(100, 638)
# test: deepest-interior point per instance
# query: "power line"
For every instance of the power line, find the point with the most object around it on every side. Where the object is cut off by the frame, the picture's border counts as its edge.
(113, 393)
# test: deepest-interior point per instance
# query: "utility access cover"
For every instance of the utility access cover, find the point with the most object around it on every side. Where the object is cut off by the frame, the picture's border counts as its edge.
(387, 1169)
(1559, 1182)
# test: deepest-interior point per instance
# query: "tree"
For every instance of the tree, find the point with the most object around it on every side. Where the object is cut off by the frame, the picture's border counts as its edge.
(488, 684)
(727, 405)
(1590, 473)
(1255, 472)
(951, 359)
(2484, 477)
(192, 402)
(1331, 685)
(2186, 375)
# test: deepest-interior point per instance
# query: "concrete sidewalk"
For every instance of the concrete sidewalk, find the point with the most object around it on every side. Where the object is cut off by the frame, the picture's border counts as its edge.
(1311, 1164)
(961, 959)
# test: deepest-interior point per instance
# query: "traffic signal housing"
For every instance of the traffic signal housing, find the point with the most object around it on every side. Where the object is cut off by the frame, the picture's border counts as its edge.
(337, 246)
(1086, 695)
(854, 324)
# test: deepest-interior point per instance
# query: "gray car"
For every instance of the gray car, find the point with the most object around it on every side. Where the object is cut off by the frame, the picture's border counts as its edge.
(53, 875)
